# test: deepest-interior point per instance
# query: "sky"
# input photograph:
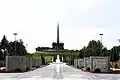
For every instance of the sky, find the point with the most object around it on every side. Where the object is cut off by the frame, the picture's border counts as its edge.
(80, 21)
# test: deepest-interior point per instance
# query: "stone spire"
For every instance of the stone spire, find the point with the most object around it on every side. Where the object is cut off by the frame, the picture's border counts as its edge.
(58, 33)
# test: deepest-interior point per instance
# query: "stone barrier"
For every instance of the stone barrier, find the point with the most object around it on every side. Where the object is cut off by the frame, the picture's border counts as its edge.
(86, 62)
(80, 63)
(29, 63)
(15, 63)
(99, 64)
(36, 62)
(75, 62)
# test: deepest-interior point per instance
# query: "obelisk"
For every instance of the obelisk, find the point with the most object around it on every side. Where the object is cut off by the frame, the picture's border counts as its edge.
(58, 42)
(58, 33)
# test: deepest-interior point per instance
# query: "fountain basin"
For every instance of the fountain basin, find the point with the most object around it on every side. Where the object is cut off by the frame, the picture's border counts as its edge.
(58, 63)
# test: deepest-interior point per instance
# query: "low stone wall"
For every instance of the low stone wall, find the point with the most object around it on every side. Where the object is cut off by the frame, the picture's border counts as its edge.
(101, 63)
(29, 63)
(75, 62)
(86, 62)
(15, 62)
(22, 63)
(78, 63)
(36, 62)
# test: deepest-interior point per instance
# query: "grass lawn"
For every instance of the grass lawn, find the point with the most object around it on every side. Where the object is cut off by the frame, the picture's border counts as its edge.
(48, 55)
(38, 56)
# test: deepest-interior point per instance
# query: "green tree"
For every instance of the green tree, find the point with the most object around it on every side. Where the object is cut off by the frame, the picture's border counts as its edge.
(4, 47)
(114, 56)
(93, 49)
(81, 55)
(20, 48)
(43, 59)
(4, 43)
(84, 52)
(105, 52)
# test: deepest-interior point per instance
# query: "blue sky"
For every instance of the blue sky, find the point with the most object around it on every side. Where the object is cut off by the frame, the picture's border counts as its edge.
(80, 21)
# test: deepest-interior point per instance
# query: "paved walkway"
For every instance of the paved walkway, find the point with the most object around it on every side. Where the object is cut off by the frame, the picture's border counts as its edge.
(65, 73)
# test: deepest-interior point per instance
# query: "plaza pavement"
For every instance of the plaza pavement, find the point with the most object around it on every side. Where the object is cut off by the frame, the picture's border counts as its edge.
(68, 73)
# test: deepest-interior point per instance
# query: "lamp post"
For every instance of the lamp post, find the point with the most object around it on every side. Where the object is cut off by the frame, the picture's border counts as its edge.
(101, 43)
(15, 34)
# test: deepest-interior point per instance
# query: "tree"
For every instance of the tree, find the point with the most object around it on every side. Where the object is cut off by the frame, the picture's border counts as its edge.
(20, 48)
(42, 48)
(81, 54)
(2, 58)
(105, 52)
(84, 52)
(43, 59)
(114, 56)
(4, 47)
(4, 43)
(93, 49)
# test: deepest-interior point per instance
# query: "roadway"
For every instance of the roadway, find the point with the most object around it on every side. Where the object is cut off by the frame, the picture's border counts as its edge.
(66, 73)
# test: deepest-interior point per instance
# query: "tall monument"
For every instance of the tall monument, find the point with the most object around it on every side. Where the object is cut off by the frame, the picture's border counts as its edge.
(57, 45)
(58, 33)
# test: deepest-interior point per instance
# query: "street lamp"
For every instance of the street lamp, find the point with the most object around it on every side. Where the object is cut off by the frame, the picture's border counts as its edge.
(101, 42)
(15, 41)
